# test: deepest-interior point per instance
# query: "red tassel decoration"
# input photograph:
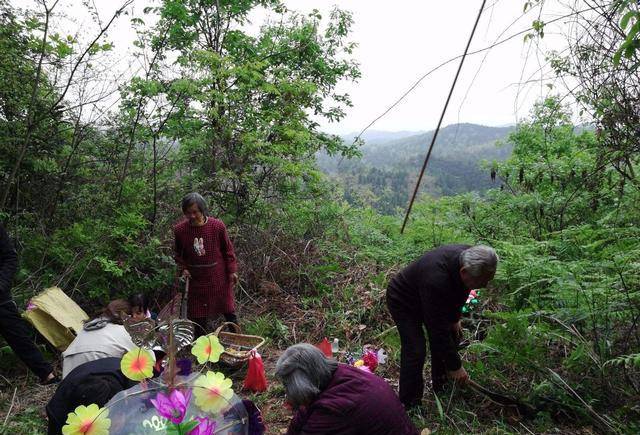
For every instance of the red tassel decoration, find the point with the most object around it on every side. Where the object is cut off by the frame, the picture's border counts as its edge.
(256, 380)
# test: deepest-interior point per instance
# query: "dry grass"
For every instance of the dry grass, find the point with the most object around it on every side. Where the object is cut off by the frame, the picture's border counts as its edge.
(23, 413)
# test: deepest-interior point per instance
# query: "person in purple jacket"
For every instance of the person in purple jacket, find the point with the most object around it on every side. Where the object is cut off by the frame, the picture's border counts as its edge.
(337, 399)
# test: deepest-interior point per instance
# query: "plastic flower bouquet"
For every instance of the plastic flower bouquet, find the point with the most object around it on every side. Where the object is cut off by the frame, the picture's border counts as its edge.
(201, 403)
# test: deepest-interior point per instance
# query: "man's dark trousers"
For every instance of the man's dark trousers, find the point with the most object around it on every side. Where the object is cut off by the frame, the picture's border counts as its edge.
(19, 335)
(412, 357)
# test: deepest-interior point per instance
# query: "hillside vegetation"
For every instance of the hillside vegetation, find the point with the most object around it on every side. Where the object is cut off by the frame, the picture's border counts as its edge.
(384, 175)
(89, 190)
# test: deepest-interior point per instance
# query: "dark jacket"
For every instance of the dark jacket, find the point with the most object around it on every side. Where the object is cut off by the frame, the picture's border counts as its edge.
(431, 289)
(61, 404)
(8, 265)
(355, 402)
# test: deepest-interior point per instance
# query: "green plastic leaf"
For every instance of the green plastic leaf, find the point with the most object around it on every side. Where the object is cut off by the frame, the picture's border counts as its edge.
(189, 426)
(182, 428)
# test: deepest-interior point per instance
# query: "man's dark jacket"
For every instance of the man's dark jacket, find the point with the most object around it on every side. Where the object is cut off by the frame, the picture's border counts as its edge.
(8, 265)
(60, 404)
(431, 289)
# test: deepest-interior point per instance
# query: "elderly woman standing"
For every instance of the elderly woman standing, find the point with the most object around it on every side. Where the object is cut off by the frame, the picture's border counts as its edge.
(337, 399)
(205, 255)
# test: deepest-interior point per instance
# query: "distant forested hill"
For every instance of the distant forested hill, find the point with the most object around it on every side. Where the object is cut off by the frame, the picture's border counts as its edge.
(385, 175)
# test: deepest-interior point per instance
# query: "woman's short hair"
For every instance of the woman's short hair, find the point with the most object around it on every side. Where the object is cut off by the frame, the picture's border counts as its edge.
(304, 371)
(117, 310)
(479, 260)
(194, 198)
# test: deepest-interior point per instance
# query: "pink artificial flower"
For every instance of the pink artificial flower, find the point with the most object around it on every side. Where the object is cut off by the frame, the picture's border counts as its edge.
(174, 406)
(370, 359)
(205, 427)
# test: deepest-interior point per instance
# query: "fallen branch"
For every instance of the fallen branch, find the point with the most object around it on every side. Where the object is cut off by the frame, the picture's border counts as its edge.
(604, 421)
(6, 418)
(523, 408)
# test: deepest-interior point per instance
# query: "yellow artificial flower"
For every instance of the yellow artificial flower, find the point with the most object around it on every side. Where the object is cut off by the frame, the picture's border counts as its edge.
(137, 364)
(358, 363)
(87, 420)
(207, 348)
(212, 392)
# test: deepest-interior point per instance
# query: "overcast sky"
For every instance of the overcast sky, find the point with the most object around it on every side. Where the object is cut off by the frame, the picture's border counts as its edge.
(399, 42)
(402, 40)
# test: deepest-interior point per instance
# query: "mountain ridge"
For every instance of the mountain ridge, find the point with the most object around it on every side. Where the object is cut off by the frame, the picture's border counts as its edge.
(387, 170)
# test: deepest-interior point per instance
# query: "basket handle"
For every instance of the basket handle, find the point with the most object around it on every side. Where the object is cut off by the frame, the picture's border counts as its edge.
(235, 327)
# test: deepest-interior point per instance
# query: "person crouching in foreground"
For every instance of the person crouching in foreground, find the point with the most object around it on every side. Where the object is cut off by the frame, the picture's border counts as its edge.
(95, 382)
(337, 399)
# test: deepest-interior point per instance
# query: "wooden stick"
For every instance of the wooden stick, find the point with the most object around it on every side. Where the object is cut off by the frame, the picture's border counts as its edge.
(15, 390)
(502, 400)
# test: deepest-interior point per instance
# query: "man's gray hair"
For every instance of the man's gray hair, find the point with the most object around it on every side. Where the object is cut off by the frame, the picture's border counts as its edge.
(304, 372)
(479, 260)
(194, 198)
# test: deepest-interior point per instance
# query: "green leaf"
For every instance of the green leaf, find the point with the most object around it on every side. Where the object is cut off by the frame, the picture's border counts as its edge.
(618, 55)
(63, 50)
(633, 32)
(189, 426)
(440, 409)
(625, 19)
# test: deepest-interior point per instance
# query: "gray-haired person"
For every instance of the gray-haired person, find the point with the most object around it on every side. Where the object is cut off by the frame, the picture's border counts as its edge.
(430, 293)
(204, 253)
(337, 399)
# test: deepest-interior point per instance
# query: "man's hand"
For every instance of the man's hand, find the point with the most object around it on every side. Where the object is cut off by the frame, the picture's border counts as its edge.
(459, 376)
(186, 274)
(234, 279)
(457, 329)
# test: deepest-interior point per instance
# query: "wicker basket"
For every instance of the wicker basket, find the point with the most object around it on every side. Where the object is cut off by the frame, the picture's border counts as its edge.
(237, 346)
